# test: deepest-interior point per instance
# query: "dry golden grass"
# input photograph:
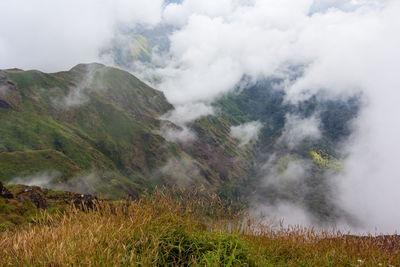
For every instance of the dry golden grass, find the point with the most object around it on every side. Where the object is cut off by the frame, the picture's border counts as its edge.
(180, 228)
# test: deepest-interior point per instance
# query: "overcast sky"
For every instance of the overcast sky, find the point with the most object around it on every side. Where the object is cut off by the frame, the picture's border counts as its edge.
(343, 46)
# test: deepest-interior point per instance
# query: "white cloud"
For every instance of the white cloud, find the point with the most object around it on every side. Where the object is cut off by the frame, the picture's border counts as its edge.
(179, 14)
(181, 116)
(286, 215)
(345, 47)
(182, 172)
(210, 54)
(350, 47)
(246, 132)
(298, 129)
(279, 170)
(185, 113)
(45, 178)
(180, 134)
(56, 35)
(344, 5)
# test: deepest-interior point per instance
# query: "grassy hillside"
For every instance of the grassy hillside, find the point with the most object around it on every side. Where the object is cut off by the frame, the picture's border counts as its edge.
(91, 118)
(97, 129)
(102, 121)
(23, 163)
(183, 228)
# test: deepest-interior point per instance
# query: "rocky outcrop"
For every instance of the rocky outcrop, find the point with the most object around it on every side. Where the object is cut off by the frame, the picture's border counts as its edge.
(20, 203)
(34, 196)
(9, 95)
(5, 104)
(85, 201)
(4, 192)
(12, 86)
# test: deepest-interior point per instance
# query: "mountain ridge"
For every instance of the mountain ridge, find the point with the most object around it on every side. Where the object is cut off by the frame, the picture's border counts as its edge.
(107, 121)
(97, 129)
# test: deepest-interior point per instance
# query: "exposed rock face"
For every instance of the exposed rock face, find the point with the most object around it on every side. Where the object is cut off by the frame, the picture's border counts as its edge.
(4, 104)
(12, 86)
(4, 192)
(5, 82)
(32, 195)
(85, 201)
(42, 200)
(9, 95)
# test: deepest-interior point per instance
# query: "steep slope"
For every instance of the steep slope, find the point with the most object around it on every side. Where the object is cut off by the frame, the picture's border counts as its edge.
(97, 129)
(293, 165)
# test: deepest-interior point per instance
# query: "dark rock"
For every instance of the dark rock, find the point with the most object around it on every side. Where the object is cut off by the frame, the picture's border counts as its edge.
(32, 195)
(4, 192)
(85, 201)
(132, 195)
(5, 104)
(7, 83)
(11, 85)
(3, 76)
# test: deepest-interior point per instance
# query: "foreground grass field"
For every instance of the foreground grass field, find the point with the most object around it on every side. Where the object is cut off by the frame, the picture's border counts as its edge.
(181, 228)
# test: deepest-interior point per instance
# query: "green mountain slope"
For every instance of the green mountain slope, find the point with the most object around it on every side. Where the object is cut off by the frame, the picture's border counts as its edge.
(97, 129)
(99, 121)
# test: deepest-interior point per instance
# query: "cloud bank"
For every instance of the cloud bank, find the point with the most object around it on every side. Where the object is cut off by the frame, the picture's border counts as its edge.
(343, 47)
(56, 35)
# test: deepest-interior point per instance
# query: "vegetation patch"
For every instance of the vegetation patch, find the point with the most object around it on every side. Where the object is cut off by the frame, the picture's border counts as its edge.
(169, 229)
